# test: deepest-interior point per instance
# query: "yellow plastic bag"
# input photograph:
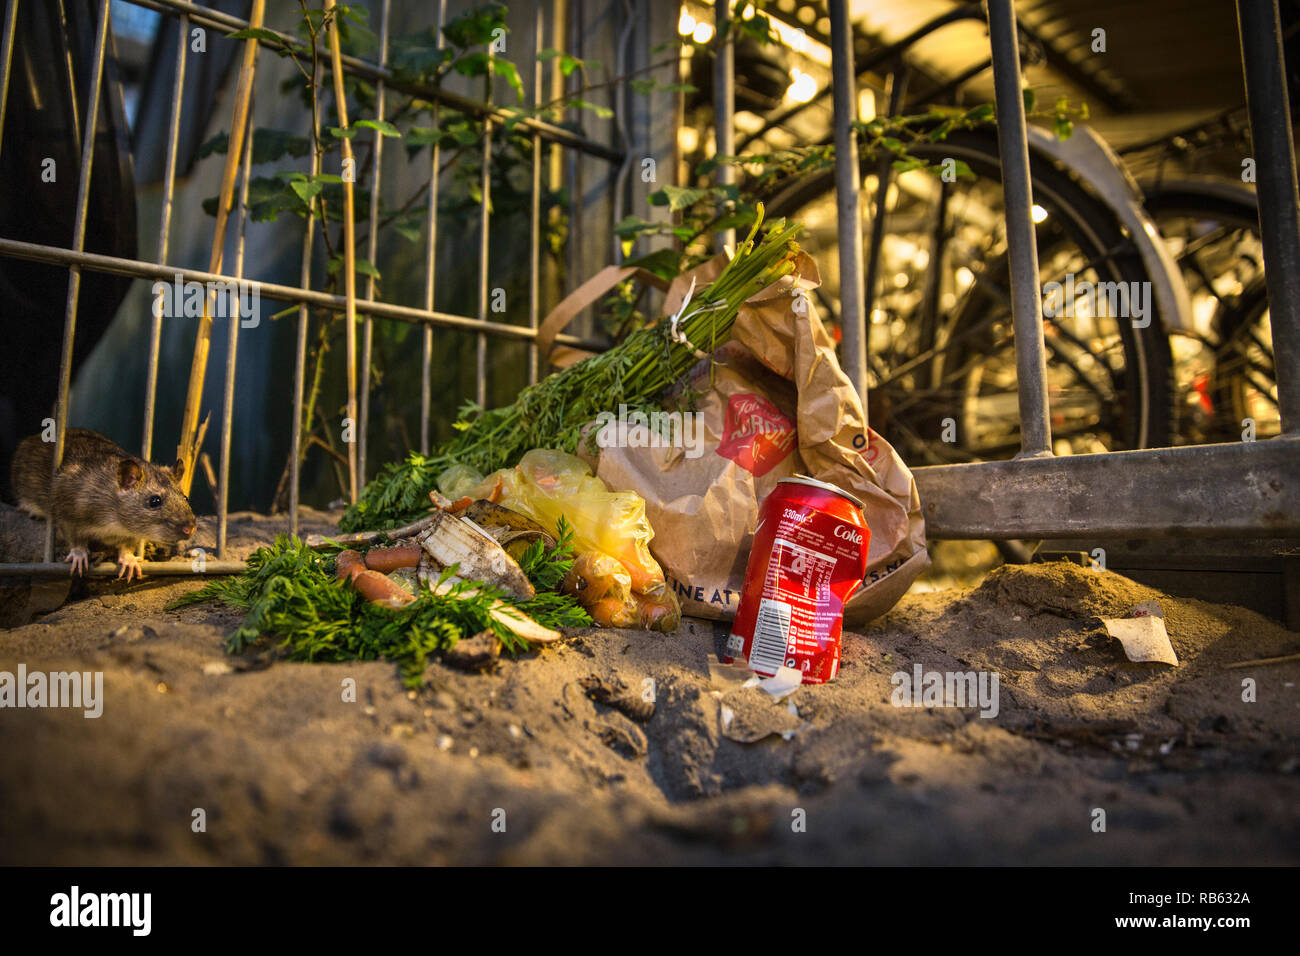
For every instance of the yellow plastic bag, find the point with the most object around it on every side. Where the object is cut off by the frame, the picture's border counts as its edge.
(547, 484)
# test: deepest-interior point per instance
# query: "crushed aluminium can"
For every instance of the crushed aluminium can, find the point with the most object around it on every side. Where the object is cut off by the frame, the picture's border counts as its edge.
(809, 556)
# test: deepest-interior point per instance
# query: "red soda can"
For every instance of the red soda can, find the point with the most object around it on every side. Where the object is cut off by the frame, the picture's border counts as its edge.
(809, 556)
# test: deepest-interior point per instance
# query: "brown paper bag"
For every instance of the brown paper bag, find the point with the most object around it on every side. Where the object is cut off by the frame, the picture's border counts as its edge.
(773, 403)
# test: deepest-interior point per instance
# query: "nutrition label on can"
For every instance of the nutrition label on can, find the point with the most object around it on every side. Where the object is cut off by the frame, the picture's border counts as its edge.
(793, 618)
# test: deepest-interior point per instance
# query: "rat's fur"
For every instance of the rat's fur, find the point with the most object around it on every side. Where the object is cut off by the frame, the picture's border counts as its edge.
(101, 493)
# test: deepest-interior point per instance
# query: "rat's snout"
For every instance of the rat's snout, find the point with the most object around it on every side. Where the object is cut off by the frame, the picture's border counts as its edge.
(188, 529)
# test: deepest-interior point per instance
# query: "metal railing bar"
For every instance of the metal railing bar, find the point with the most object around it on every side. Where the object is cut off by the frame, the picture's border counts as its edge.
(485, 206)
(1022, 249)
(430, 271)
(853, 315)
(235, 318)
(6, 59)
(535, 203)
(367, 323)
(281, 293)
(1279, 201)
(107, 569)
(884, 176)
(164, 232)
(78, 244)
(724, 106)
(223, 21)
(620, 106)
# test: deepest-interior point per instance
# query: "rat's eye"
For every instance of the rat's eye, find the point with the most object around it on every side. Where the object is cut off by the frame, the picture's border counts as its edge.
(155, 501)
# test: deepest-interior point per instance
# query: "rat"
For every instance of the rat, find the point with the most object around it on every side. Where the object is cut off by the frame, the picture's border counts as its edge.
(102, 493)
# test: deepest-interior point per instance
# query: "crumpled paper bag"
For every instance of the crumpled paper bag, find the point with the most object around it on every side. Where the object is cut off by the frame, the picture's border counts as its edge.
(775, 403)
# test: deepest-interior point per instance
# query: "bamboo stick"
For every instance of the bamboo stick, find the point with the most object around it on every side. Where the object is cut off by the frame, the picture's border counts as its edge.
(349, 245)
(1260, 661)
(187, 449)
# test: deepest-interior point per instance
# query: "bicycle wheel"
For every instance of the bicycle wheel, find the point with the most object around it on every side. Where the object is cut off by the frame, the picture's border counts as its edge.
(942, 356)
(1223, 374)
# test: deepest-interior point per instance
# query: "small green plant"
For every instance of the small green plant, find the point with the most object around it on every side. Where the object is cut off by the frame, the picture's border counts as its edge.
(289, 595)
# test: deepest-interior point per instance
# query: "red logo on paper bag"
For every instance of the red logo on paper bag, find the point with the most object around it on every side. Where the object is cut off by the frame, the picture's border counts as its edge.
(756, 436)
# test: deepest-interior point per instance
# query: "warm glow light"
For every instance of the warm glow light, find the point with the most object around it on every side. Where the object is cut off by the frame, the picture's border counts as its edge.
(686, 25)
(803, 86)
(688, 138)
(748, 12)
(1038, 213)
(703, 32)
(964, 278)
(866, 105)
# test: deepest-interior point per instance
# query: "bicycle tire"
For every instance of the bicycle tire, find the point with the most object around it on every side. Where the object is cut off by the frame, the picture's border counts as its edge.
(1089, 220)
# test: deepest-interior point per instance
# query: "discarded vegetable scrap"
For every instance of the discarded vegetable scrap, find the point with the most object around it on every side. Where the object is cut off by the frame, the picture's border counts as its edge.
(405, 600)
(615, 577)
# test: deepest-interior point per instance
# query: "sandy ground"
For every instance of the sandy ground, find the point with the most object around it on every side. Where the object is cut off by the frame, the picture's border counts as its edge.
(521, 766)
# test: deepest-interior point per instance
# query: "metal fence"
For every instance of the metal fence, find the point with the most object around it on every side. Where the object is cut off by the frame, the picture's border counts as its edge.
(187, 15)
(1247, 489)
(1241, 490)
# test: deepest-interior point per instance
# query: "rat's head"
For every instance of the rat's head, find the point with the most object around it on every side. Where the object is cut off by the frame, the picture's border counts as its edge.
(150, 502)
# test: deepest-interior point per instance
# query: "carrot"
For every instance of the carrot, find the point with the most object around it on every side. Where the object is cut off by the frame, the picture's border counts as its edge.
(385, 560)
(349, 564)
(376, 588)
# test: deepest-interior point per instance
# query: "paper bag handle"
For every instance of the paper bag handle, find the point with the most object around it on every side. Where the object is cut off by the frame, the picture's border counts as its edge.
(558, 319)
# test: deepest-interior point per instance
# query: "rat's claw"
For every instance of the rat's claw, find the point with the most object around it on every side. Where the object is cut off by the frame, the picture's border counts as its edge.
(129, 565)
(80, 559)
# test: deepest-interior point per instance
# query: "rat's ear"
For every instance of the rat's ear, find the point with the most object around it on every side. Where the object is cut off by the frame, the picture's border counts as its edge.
(129, 473)
(178, 470)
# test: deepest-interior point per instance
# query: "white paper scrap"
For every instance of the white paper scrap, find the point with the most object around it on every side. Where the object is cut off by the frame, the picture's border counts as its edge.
(783, 683)
(1144, 638)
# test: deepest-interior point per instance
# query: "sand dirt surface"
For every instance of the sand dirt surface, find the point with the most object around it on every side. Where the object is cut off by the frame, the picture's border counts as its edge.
(521, 765)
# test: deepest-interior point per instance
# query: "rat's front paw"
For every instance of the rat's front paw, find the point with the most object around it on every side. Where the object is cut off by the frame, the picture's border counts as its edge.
(80, 559)
(129, 565)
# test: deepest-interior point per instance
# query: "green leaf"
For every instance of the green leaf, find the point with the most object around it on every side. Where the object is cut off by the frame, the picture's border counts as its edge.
(665, 263)
(383, 127)
(256, 33)
(506, 69)
(217, 144)
(339, 133)
(1029, 98)
(272, 144)
(677, 198)
(306, 191)
(603, 112)
(477, 26)
(473, 64)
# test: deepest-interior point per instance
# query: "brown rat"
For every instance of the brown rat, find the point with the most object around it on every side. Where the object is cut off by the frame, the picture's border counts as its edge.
(102, 493)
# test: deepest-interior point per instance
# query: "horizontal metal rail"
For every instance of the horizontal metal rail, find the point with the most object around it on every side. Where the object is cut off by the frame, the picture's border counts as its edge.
(138, 269)
(106, 569)
(1245, 489)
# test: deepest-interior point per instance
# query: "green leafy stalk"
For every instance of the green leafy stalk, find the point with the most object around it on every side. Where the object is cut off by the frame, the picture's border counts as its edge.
(289, 594)
(552, 413)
